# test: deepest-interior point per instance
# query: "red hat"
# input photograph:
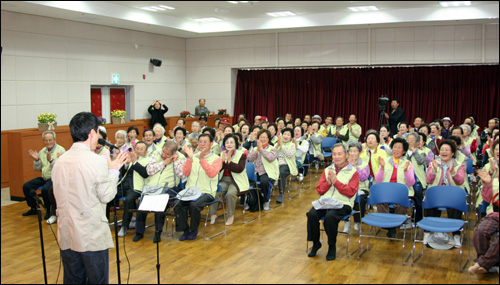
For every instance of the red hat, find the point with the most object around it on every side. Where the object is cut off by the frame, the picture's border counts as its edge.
(225, 121)
(264, 119)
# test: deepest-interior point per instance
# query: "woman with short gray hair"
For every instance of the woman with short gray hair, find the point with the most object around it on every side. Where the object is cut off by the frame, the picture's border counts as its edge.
(120, 142)
(159, 136)
(363, 169)
(417, 158)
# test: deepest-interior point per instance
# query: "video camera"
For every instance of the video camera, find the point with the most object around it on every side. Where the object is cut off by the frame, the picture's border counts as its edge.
(382, 102)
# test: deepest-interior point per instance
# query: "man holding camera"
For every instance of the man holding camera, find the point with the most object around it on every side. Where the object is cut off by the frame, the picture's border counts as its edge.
(397, 115)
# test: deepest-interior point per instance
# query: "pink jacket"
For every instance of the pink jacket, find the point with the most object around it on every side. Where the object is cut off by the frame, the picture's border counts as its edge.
(459, 177)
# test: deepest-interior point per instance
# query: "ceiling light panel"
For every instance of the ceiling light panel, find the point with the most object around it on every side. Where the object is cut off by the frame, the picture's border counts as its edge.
(455, 3)
(166, 7)
(281, 14)
(209, 19)
(363, 8)
(158, 8)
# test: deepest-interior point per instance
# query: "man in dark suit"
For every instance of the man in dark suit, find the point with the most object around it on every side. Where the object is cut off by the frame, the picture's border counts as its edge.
(397, 115)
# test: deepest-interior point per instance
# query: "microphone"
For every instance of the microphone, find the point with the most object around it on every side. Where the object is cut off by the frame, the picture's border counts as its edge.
(110, 145)
(35, 195)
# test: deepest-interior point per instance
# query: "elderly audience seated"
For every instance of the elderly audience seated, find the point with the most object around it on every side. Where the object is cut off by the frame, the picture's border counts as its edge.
(202, 169)
(43, 161)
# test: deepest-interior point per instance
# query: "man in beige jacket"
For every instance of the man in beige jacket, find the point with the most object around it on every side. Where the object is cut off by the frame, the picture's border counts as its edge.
(83, 183)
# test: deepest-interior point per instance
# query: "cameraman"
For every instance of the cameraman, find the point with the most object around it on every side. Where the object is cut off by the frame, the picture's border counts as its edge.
(397, 115)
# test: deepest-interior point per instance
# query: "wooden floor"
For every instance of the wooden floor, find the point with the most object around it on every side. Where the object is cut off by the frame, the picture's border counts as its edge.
(271, 250)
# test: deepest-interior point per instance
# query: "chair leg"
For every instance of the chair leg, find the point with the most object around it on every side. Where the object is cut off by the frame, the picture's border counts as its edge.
(404, 245)
(415, 247)
(347, 246)
(206, 221)
(462, 268)
(361, 252)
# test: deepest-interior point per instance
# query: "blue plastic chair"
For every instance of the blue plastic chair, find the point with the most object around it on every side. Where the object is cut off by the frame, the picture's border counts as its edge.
(207, 206)
(448, 197)
(326, 146)
(254, 185)
(312, 160)
(386, 193)
(470, 166)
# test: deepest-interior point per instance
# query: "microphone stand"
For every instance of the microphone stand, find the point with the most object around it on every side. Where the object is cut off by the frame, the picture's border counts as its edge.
(39, 211)
(117, 244)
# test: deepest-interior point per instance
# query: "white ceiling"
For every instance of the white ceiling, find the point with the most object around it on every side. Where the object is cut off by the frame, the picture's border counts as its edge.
(251, 18)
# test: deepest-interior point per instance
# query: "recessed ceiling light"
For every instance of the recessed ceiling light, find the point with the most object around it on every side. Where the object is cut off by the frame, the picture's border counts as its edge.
(209, 19)
(148, 8)
(233, 2)
(158, 8)
(363, 8)
(281, 14)
(455, 3)
(167, 7)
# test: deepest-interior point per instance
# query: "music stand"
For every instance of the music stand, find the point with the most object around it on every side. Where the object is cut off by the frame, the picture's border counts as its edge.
(154, 204)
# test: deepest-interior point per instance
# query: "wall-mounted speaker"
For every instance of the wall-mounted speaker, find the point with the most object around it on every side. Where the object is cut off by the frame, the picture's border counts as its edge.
(155, 62)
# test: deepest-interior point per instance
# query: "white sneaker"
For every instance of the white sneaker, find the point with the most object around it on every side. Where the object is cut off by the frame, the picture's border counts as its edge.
(52, 220)
(247, 207)
(266, 206)
(276, 183)
(356, 226)
(426, 237)
(122, 232)
(301, 177)
(457, 244)
(347, 227)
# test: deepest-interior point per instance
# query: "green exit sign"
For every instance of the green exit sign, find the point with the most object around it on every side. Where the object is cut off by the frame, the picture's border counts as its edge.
(115, 78)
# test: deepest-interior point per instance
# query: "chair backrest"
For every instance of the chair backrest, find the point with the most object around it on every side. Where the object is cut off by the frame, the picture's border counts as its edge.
(389, 193)
(328, 143)
(446, 196)
(470, 167)
(251, 172)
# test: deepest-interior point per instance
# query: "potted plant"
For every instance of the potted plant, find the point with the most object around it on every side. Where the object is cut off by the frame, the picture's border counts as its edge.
(102, 121)
(184, 114)
(47, 121)
(222, 111)
(118, 116)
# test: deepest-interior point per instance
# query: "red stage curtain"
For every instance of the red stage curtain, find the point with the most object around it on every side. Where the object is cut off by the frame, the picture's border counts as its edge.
(430, 92)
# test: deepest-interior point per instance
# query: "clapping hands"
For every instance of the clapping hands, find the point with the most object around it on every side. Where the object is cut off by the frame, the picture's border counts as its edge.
(484, 175)
(332, 177)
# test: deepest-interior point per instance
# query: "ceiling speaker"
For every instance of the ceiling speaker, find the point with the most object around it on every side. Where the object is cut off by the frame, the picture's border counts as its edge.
(155, 62)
